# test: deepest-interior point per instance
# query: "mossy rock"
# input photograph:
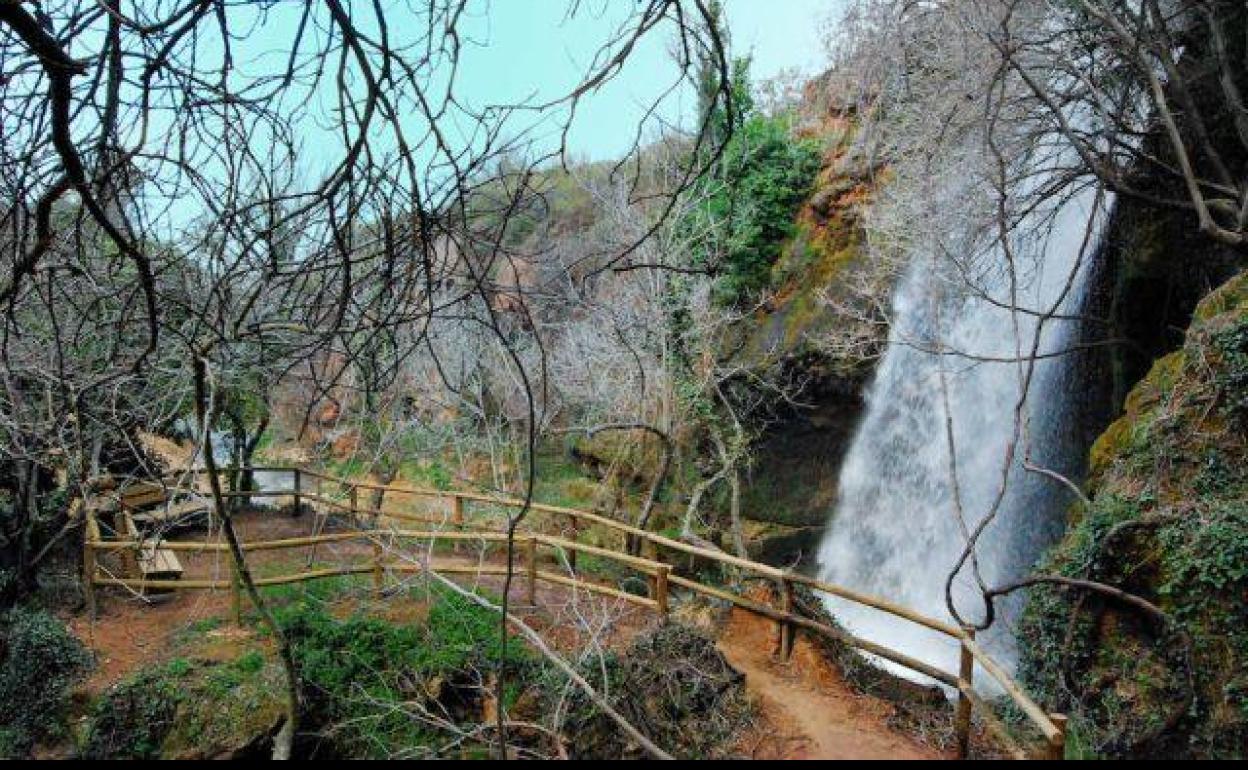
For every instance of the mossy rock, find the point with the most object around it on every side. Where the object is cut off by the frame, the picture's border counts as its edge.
(1130, 432)
(1229, 301)
(188, 710)
(1168, 522)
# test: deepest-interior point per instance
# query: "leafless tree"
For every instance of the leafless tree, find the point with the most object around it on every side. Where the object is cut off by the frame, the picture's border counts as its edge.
(194, 187)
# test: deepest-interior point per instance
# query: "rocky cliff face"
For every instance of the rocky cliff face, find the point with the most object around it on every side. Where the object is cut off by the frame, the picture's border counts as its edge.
(824, 326)
(1167, 520)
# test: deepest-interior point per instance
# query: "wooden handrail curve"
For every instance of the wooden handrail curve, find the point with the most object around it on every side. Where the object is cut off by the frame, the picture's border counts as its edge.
(1050, 726)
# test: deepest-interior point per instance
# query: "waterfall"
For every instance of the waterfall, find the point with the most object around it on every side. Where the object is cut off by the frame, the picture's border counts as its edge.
(895, 531)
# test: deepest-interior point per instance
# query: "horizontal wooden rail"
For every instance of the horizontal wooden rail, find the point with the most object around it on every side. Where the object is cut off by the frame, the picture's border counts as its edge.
(138, 584)
(1050, 726)
(813, 625)
(335, 537)
(876, 603)
(647, 566)
(598, 588)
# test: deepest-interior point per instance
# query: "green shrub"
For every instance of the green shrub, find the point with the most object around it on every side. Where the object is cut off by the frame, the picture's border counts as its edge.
(361, 675)
(41, 661)
(132, 720)
(765, 175)
(744, 210)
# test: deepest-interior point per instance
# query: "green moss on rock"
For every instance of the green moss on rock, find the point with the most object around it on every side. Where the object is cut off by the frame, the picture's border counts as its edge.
(188, 708)
(1168, 521)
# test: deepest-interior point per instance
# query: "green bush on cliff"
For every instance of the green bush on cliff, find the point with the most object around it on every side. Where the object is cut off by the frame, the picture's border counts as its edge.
(1168, 522)
(745, 210)
(767, 174)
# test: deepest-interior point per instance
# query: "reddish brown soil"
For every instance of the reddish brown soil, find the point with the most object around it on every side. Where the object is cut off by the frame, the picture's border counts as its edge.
(808, 709)
(129, 634)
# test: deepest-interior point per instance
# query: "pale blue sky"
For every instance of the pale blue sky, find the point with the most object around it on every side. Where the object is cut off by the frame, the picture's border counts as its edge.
(528, 46)
(521, 52)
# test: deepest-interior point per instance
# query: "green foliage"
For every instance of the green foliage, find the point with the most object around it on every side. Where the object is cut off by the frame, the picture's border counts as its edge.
(1232, 346)
(221, 681)
(432, 474)
(749, 201)
(694, 399)
(358, 673)
(133, 718)
(1168, 522)
(41, 662)
(763, 178)
(37, 529)
(1206, 562)
(187, 707)
(317, 591)
(348, 467)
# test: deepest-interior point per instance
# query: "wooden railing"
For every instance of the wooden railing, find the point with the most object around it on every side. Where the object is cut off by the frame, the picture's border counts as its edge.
(661, 576)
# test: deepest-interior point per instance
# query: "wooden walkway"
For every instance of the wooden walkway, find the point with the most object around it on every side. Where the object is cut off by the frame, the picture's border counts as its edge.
(546, 550)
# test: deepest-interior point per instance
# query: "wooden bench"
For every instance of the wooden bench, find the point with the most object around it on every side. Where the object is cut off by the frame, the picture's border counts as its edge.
(150, 561)
(139, 507)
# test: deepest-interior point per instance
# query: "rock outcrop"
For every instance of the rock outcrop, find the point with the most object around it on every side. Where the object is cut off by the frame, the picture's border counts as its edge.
(1167, 520)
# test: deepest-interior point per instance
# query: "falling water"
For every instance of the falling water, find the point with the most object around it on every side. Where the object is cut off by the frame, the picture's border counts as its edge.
(895, 531)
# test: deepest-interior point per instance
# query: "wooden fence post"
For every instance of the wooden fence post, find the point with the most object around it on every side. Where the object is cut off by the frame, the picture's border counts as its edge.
(649, 550)
(966, 678)
(531, 567)
(379, 574)
(355, 505)
(1057, 746)
(575, 535)
(457, 521)
(660, 590)
(457, 511)
(788, 631)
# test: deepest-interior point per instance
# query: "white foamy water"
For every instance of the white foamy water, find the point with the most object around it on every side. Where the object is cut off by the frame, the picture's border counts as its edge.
(895, 531)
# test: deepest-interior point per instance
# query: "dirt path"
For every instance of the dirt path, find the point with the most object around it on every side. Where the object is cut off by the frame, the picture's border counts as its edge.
(811, 712)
